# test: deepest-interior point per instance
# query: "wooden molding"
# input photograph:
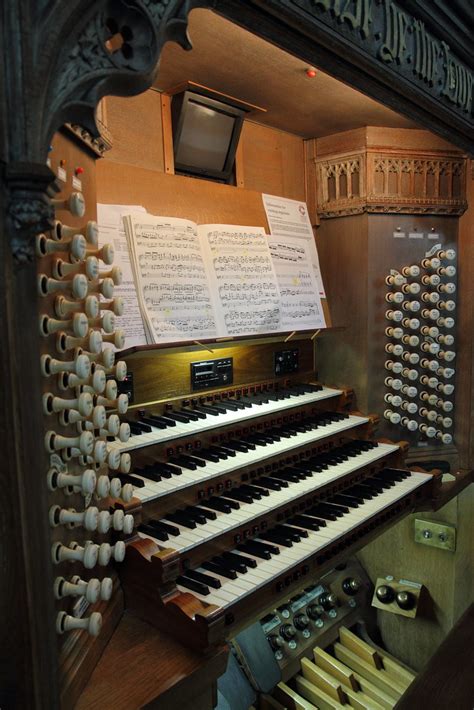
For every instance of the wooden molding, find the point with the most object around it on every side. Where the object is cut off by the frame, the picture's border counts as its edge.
(391, 181)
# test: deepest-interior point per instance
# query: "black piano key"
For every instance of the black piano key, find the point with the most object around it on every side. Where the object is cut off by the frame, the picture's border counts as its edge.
(153, 531)
(128, 478)
(154, 422)
(191, 416)
(206, 579)
(193, 584)
(207, 410)
(178, 417)
(165, 527)
(394, 474)
(287, 532)
(164, 420)
(301, 532)
(237, 494)
(351, 501)
(261, 553)
(241, 446)
(181, 461)
(239, 558)
(222, 452)
(222, 561)
(262, 546)
(279, 538)
(219, 569)
(209, 456)
(196, 515)
(151, 475)
(194, 459)
(254, 492)
(145, 428)
(304, 522)
(237, 403)
(231, 501)
(339, 508)
(230, 405)
(167, 470)
(210, 515)
(272, 483)
(324, 514)
(217, 504)
(194, 412)
(361, 491)
(181, 519)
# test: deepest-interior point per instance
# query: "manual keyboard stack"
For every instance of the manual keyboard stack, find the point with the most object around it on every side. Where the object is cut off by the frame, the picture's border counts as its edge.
(244, 493)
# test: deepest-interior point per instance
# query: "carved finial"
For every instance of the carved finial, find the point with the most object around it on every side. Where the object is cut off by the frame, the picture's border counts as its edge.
(29, 208)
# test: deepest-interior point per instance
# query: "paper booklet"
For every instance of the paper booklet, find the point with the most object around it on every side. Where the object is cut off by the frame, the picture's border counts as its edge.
(184, 281)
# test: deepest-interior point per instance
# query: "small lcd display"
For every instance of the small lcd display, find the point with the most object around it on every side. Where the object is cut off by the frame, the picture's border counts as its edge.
(205, 137)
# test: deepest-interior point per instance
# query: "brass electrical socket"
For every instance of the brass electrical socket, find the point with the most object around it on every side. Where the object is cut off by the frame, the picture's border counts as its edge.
(435, 534)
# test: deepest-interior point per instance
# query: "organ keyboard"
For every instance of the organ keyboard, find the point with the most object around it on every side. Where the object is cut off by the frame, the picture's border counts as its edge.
(241, 494)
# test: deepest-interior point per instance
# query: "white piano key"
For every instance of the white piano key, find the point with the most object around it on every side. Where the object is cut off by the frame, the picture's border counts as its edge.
(226, 522)
(317, 540)
(157, 436)
(251, 457)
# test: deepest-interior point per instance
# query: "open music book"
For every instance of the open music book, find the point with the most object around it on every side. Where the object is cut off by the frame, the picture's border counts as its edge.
(185, 282)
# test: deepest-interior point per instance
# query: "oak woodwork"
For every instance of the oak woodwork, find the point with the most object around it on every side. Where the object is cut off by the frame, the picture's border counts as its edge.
(159, 375)
(446, 680)
(57, 65)
(155, 671)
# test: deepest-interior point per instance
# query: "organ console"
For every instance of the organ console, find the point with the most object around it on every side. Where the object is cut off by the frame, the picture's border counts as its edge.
(196, 525)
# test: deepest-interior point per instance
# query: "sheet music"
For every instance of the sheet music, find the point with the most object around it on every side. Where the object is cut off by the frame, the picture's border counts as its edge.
(171, 278)
(299, 298)
(289, 219)
(243, 279)
(111, 230)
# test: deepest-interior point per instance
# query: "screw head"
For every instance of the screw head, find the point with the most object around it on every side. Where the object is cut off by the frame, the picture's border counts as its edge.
(427, 534)
(442, 537)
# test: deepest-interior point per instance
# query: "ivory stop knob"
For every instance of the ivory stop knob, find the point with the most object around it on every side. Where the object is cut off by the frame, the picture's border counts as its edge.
(78, 285)
(85, 482)
(75, 553)
(92, 624)
(395, 280)
(75, 203)
(106, 253)
(81, 366)
(77, 587)
(55, 442)
(103, 487)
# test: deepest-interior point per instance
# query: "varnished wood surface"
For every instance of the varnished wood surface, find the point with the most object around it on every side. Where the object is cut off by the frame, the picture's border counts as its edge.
(227, 58)
(273, 161)
(142, 663)
(448, 679)
(166, 373)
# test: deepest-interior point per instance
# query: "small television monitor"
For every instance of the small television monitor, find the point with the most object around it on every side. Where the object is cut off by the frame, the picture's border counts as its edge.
(206, 133)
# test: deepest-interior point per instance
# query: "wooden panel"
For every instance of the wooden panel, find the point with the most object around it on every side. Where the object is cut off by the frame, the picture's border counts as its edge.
(230, 59)
(273, 161)
(372, 136)
(342, 358)
(165, 373)
(465, 362)
(177, 196)
(148, 663)
(135, 125)
(447, 681)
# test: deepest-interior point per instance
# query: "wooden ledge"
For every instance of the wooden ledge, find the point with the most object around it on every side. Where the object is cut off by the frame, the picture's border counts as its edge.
(447, 681)
(141, 665)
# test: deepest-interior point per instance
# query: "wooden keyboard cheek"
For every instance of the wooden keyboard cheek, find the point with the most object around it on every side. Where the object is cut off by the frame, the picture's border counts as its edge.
(151, 595)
